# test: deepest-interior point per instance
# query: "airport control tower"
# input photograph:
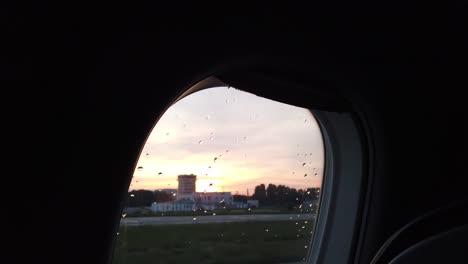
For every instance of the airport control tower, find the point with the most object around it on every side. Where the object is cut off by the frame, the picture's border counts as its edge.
(186, 184)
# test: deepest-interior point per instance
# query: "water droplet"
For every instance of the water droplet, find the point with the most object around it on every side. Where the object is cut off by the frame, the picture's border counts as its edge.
(303, 227)
(249, 209)
(201, 141)
(140, 168)
(290, 217)
(208, 117)
(174, 194)
(118, 233)
(308, 192)
(297, 223)
(316, 174)
(293, 172)
(214, 213)
(303, 164)
(205, 211)
(313, 169)
(267, 230)
(305, 175)
(305, 121)
(245, 138)
(300, 206)
(209, 167)
(297, 235)
(211, 184)
(132, 195)
(227, 150)
(124, 215)
(305, 222)
(147, 154)
(167, 134)
(159, 173)
(194, 218)
(214, 160)
(297, 199)
(305, 246)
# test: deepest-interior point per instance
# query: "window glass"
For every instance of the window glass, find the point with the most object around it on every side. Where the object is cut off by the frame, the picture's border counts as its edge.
(224, 177)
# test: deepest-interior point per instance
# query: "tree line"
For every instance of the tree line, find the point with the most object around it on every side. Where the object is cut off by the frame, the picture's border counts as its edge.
(284, 196)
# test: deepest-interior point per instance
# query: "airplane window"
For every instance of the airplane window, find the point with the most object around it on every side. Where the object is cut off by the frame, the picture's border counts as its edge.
(224, 177)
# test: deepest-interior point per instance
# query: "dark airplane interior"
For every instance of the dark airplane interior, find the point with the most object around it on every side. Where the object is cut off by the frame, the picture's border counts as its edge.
(84, 86)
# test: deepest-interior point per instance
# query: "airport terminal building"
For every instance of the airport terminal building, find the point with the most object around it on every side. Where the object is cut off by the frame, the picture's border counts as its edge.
(187, 199)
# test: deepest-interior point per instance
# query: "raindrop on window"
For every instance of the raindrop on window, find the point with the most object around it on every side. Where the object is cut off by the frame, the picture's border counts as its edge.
(303, 164)
(305, 175)
(194, 218)
(267, 230)
(159, 173)
(124, 215)
(140, 168)
(214, 160)
(132, 195)
(201, 141)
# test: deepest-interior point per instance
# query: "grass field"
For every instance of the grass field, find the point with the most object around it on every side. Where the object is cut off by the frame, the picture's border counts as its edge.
(240, 242)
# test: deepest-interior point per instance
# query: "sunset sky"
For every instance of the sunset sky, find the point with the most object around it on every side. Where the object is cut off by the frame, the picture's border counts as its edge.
(233, 140)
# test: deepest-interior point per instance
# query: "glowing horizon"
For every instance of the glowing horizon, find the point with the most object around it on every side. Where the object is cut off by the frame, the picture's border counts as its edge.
(234, 141)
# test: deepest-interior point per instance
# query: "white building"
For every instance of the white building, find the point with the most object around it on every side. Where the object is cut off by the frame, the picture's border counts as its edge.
(187, 199)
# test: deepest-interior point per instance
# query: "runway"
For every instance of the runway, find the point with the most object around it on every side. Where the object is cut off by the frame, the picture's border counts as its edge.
(206, 219)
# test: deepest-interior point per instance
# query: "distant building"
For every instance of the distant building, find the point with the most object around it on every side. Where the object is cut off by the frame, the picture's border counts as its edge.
(176, 206)
(187, 199)
(186, 184)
